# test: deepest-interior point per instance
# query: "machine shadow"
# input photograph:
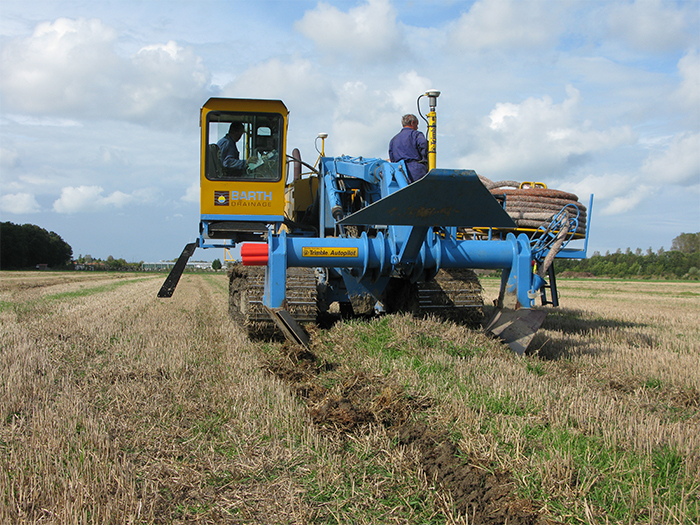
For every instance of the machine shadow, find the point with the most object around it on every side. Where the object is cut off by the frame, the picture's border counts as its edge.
(567, 333)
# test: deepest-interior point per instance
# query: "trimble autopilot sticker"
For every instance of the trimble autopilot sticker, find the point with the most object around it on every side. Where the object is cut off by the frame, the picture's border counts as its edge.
(309, 251)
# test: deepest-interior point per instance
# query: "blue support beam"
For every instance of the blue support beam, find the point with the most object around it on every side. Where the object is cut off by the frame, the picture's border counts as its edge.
(276, 271)
(377, 257)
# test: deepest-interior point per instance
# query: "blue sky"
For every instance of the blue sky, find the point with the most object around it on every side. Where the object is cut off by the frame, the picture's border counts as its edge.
(99, 103)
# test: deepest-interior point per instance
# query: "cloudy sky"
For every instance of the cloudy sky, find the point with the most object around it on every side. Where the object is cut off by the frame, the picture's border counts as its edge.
(99, 103)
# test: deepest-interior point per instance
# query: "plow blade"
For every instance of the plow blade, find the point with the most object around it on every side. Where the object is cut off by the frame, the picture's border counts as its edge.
(289, 327)
(174, 276)
(516, 328)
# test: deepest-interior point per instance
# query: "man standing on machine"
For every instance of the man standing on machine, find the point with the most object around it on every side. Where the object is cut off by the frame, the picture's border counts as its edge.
(410, 146)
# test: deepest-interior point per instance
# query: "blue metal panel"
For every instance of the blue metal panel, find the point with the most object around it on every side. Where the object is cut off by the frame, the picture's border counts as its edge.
(359, 168)
(276, 271)
(376, 253)
(442, 197)
(219, 243)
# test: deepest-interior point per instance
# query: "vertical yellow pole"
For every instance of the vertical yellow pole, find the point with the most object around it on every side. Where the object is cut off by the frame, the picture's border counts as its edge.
(432, 140)
(432, 95)
(322, 153)
(323, 137)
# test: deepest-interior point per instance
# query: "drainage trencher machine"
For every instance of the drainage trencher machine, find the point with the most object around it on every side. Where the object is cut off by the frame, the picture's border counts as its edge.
(352, 235)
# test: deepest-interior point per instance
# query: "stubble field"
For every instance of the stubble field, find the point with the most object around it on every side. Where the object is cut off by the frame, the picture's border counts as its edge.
(118, 407)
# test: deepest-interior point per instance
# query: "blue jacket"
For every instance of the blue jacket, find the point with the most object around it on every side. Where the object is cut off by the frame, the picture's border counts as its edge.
(410, 146)
(229, 153)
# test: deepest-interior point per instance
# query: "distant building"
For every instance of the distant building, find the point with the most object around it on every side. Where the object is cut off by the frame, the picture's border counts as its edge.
(89, 266)
(167, 265)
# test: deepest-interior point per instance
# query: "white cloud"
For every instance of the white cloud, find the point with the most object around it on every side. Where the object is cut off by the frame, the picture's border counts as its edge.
(617, 193)
(508, 24)
(71, 67)
(192, 193)
(368, 32)
(9, 157)
(117, 199)
(363, 121)
(689, 91)
(82, 198)
(19, 203)
(111, 155)
(605, 187)
(60, 67)
(629, 201)
(538, 138)
(91, 198)
(165, 77)
(652, 25)
(678, 164)
(411, 85)
(301, 85)
(32, 120)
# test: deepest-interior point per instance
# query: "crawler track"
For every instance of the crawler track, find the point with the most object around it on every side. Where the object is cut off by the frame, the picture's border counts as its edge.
(453, 295)
(246, 287)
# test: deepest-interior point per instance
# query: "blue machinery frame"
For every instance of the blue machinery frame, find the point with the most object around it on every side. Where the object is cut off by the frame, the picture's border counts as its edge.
(407, 244)
(414, 234)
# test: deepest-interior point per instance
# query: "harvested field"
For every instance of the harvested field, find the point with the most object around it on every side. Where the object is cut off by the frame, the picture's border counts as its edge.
(117, 407)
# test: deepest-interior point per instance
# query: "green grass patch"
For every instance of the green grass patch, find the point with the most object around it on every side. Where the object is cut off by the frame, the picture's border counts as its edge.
(217, 281)
(653, 383)
(607, 477)
(378, 340)
(6, 305)
(364, 487)
(85, 292)
(535, 367)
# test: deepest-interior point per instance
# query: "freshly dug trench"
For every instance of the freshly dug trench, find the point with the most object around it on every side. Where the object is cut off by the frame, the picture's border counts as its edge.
(486, 497)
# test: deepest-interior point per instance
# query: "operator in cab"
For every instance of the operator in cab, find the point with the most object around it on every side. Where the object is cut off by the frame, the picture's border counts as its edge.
(410, 146)
(230, 157)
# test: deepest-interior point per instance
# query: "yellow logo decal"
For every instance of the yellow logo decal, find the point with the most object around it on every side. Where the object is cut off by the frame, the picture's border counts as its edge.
(308, 251)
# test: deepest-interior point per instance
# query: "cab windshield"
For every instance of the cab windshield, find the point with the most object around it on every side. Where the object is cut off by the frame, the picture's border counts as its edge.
(244, 146)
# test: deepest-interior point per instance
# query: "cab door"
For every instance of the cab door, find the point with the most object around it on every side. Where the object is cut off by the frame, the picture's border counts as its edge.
(242, 176)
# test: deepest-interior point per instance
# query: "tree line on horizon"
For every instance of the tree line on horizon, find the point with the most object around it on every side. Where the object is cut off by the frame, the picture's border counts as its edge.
(27, 245)
(110, 264)
(682, 261)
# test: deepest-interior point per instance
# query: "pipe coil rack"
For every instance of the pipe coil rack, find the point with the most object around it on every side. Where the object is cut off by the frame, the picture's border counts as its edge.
(532, 205)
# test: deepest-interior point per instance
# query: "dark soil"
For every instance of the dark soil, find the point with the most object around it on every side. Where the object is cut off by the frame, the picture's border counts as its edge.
(485, 495)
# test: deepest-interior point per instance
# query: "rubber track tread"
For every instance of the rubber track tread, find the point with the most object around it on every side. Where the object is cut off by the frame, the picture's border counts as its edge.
(453, 295)
(246, 289)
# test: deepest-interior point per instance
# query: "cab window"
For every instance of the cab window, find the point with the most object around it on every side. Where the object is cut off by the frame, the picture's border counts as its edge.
(244, 146)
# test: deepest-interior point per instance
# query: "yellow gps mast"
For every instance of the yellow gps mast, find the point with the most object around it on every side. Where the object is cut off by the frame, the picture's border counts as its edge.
(432, 95)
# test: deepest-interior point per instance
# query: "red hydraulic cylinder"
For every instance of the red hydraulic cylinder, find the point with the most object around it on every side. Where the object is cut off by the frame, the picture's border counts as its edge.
(253, 254)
